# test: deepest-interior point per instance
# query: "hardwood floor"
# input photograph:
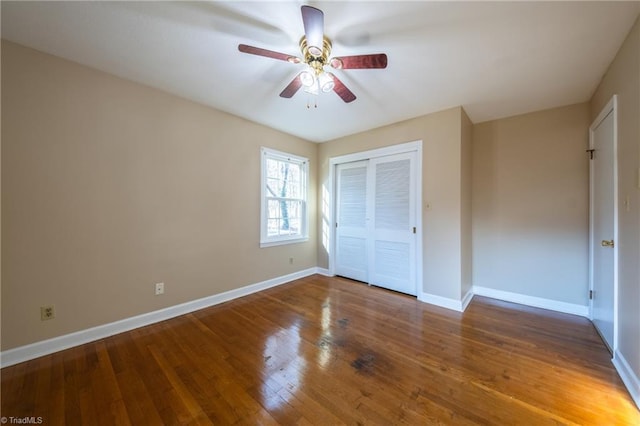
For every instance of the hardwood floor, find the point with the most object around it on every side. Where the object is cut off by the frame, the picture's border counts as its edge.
(331, 351)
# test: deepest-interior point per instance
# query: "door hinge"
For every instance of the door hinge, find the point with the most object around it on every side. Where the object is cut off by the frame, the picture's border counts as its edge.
(336, 224)
(591, 151)
(414, 229)
(590, 294)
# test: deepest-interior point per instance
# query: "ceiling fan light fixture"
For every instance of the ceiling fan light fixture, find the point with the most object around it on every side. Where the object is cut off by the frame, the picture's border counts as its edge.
(307, 77)
(325, 82)
(313, 89)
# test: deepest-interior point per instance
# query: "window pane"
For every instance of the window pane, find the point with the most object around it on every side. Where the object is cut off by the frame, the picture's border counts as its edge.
(272, 227)
(284, 217)
(293, 181)
(273, 209)
(272, 168)
(272, 187)
(295, 225)
(283, 179)
(293, 189)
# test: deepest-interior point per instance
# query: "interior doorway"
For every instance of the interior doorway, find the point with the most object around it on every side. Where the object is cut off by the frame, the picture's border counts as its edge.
(603, 252)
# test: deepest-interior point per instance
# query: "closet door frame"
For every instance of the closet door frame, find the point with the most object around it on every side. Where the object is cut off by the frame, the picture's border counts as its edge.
(329, 199)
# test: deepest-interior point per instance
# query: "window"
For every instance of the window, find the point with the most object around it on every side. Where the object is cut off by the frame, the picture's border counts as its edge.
(284, 198)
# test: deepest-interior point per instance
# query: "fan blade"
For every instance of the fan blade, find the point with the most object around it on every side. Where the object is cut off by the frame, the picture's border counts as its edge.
(342, 90)
(268, 53)
(378, 60)
(313, 20)
(292, 88)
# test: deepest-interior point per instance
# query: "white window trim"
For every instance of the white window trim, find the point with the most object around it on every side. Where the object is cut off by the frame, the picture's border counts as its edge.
(266, 241)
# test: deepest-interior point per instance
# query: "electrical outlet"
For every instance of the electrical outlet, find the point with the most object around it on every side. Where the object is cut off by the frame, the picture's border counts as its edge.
(159, 288)
(47, 313)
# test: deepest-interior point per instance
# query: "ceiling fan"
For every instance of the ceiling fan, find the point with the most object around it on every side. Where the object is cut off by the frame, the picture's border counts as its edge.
(316, 48)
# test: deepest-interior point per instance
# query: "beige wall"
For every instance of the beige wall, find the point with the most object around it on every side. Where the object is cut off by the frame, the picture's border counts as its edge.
(441, 189)
(623, 79)
(530, 204)
(109, 187)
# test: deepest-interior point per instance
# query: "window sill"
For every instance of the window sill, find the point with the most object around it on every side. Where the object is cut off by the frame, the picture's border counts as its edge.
(264, 244)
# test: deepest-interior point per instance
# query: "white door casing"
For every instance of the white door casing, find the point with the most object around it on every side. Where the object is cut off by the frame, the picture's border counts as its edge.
(603, 235)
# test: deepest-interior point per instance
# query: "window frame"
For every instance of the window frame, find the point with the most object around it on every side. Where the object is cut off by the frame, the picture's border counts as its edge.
(303, 163)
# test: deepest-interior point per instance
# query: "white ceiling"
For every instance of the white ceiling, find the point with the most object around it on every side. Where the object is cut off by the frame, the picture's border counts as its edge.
(496, 59)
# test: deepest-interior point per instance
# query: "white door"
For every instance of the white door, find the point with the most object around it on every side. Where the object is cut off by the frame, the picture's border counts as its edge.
(393, 247)
(351, 235)
(376, 220)
(603, 213)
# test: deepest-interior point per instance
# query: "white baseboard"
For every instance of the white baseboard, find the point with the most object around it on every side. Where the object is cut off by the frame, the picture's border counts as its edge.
(445, 302)
(467, 299)
(325, 272)
(537, 302)
(45, 347)
(628, 376)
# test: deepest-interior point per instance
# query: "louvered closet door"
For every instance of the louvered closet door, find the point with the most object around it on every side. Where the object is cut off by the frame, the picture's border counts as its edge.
(392, 251)
(352, 232)
(376, 216)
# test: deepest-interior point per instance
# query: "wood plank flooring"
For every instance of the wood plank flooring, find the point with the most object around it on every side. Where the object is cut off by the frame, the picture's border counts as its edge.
(327, 351)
